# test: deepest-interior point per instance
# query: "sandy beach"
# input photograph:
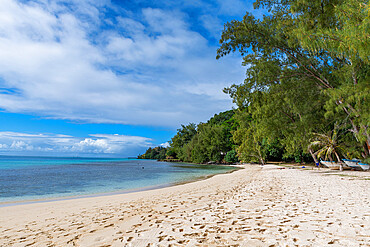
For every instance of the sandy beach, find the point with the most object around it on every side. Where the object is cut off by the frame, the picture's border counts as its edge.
(255, 206)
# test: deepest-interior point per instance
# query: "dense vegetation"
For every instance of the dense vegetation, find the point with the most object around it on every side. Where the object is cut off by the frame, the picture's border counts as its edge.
(307, 89)
(211, 141)
(157, 153)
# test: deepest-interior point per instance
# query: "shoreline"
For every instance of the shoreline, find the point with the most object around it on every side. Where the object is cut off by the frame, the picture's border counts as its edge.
(65, 198)
(255, 206)
(110, 193)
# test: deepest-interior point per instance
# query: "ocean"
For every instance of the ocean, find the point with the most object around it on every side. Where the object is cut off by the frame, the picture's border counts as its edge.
(43, 178)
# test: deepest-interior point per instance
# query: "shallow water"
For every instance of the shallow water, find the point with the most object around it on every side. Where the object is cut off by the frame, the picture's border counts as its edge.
(31, 178)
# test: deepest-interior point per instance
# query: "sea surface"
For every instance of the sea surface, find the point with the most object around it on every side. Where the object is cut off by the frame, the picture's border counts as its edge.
(35, 178)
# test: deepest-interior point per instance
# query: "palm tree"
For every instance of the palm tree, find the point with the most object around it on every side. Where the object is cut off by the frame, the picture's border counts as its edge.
(328, 144)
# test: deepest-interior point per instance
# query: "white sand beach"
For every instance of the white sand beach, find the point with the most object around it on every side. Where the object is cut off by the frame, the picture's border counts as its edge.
(255, 206)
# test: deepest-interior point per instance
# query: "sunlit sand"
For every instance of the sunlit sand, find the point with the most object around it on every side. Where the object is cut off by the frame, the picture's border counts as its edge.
(255, 206)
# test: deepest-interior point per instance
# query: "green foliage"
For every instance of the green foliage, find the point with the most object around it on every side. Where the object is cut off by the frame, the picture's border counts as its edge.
(157, 153)
(231, 157)
(182, 137)
(307, 79)
(171, 153)
(366, 161)
(251, 144)
(339, 27)
(211, 144)
(308, 67)
(275, 150)
(328, 145)
(206, 142)
(223, 118)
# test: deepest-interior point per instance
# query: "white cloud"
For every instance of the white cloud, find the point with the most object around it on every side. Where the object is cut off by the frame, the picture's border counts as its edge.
(165, 145)
(41, 144)
(164, 41)
(146, 68)
(21, 145)
(3, 146)
(92, 146)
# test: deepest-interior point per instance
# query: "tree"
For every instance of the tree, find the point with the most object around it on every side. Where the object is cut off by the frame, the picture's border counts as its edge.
(251, 144)
(206, 142)
(158, 153)
(231, 157)
(182, 137)
(171, 153)
(210, 144)
(301, 74)
(329, 145)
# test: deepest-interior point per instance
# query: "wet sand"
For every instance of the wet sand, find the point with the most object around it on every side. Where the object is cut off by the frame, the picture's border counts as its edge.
(254, 206)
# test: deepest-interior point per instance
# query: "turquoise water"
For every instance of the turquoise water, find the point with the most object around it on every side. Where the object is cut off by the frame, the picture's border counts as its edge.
(32, 178)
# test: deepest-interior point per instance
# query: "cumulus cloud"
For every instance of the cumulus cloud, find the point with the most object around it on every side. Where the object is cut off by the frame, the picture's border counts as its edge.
(21, 145)
(37, 144)
(92, 146)
(165, 145)
(101, 63)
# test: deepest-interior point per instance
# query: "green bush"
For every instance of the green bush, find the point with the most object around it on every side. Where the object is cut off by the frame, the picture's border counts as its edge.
(231, 157)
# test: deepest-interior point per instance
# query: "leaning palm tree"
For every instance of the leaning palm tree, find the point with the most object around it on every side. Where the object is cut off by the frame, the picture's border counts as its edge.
(328, 146)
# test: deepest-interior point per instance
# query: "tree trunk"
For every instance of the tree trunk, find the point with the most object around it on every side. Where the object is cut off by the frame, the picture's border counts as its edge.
(260, 155)
(262, 161)
(339, 161)
(314, 157)
(355, 129)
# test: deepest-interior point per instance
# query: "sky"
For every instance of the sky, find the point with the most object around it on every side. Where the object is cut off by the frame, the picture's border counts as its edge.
(110, 78)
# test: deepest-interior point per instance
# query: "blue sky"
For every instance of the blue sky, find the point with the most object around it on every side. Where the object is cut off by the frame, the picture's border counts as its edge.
(110, 78)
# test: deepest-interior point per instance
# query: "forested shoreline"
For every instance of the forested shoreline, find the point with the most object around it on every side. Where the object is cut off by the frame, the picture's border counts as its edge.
(306, 95)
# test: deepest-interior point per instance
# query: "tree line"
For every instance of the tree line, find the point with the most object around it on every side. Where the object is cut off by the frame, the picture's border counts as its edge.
(306, 94)
(157, 153)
